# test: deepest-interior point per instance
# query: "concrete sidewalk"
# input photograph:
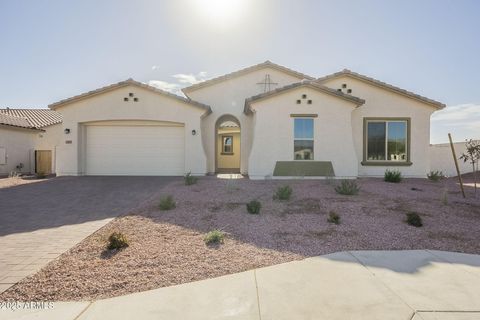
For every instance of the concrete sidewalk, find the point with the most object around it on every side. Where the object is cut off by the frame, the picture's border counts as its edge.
(418, 285)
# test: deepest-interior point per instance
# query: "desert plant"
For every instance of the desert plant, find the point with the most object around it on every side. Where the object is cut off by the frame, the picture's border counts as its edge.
(435, 175)
(117, 240)
(347, 187)
(283, 193)
(445, 197)
(214, 237)
(393, 176)
(472, 155)
(167, 203)
(414, 219)
(189, 179)
(333, 217)
(254, 207)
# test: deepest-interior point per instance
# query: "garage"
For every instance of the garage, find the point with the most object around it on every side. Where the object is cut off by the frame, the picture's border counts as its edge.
(135, 149)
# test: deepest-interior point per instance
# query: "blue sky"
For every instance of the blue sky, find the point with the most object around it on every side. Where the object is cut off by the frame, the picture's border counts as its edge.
(50, 50)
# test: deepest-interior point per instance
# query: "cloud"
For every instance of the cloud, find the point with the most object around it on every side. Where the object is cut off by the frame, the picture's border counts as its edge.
(166, 86)
(190, 79)
(155, 68)
(462, 121)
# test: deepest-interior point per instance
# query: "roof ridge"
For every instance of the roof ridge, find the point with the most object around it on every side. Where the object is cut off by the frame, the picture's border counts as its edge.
(232, 74)
(383, 84)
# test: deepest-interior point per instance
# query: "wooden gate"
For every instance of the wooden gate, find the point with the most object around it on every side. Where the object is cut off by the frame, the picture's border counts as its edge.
(43, 161)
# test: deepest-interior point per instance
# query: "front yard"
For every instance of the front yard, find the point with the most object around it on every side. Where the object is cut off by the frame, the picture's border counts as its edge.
(168, 247)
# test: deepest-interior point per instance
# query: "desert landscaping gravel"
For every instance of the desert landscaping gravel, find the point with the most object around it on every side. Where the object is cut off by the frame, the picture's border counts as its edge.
(167, 247)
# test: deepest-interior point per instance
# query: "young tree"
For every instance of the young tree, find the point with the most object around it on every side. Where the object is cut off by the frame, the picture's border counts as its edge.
(472, 155)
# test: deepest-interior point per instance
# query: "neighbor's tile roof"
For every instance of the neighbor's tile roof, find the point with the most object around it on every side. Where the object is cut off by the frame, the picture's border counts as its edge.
(8, 120)
(304, 83)
(266, 64)
(35, 118)
(384, 85)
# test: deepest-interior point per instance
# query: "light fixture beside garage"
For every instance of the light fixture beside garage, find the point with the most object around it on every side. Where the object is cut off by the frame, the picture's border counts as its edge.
(194, 132)
(66, 131)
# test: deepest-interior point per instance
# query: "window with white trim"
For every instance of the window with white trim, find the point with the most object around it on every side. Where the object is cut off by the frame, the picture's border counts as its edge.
(303, 139)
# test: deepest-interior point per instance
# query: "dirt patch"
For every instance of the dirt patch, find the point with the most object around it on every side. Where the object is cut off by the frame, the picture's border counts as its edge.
(167, 247)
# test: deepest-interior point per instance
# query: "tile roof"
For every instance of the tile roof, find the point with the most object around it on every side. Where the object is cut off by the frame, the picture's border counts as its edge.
(384, 85)
(124, 83)
(237, 73)
(13, 121)
(305, 83)
(36, 118)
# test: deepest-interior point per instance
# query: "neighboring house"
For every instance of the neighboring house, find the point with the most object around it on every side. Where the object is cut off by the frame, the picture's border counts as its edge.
(28, 140)
(264, 121)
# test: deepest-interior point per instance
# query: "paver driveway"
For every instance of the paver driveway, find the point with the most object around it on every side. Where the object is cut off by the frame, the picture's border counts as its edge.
(40, 221)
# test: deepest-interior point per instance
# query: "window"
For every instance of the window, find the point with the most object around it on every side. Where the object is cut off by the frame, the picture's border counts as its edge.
(227, 144)
(303, 139)
(386, 140)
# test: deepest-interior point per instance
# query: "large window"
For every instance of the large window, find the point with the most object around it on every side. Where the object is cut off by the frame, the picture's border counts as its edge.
(386, 141)
(303, 139)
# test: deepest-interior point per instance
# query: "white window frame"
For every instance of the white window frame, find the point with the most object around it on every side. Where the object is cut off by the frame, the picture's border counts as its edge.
(387, 121)
(302, 139)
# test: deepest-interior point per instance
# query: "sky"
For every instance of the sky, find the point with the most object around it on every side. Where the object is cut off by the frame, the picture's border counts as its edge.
(51, 50)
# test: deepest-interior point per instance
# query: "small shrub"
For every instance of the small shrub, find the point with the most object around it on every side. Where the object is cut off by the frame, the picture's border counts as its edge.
(189, 179)
(117, 240)
(254, 207)
(445, 197)
(348, 187)
(167, 203)
(214, 237)
(283, 193)
(333, 217)
(414, 219)
(41, 175)
(435, 175)
(393, 176)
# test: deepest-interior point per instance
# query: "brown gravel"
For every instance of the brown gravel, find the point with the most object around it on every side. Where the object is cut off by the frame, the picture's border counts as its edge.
(167, 247)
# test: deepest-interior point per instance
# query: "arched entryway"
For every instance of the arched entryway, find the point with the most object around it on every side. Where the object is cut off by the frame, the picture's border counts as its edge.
(227, 144)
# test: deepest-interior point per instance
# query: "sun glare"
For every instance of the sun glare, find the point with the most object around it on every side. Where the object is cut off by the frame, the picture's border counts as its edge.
(222, 12)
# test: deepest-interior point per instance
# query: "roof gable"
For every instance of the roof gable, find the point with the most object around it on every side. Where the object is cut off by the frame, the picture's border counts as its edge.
(382, 85)
(309, 84)
(263, 65)
(128, 82)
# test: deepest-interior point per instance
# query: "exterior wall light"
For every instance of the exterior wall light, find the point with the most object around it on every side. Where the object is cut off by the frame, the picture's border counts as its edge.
(66, 131)
(194, 132)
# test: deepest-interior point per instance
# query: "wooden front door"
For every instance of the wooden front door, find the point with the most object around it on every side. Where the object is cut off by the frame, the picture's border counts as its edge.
(43, 161)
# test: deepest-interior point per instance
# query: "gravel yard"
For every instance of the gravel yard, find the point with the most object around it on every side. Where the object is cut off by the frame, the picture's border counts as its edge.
(167, 247)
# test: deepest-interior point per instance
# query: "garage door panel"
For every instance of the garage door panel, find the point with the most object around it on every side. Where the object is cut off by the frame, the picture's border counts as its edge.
(135, 150)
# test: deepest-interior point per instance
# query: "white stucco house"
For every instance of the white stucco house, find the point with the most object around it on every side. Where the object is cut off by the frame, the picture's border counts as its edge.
(262, 121)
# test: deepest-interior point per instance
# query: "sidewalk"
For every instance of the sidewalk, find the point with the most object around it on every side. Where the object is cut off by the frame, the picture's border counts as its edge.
(419, 285)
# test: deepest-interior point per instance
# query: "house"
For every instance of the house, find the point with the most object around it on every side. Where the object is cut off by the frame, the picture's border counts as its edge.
(265, 121)
(27, 140)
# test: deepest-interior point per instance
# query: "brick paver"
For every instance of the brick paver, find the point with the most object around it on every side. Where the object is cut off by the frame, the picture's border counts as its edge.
(40, 221)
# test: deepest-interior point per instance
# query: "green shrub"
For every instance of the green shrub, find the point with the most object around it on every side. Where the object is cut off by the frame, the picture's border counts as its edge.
(214, 237)
(167, 203)
(333, 217)
(254, 207)
(117, 240)
(283, 193)
(348, 187)
(435, 175)
(393, 176)
(414, 219)
(189, 179)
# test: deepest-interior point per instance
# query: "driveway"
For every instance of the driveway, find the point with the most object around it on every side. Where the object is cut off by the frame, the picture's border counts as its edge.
(40, 221)
(396, 285)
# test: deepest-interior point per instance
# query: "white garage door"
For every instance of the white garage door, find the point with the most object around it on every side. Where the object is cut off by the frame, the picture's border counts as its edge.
(135, 150)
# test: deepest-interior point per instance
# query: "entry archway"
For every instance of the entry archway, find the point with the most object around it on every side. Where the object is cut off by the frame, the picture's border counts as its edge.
(227, 144)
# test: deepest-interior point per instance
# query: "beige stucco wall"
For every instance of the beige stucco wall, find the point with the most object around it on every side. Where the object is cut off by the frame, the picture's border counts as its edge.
(441, 159)
(383, 103)
(228, 97)
(110, 106)
(230, 160)
(20, 145)
(274, 132)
